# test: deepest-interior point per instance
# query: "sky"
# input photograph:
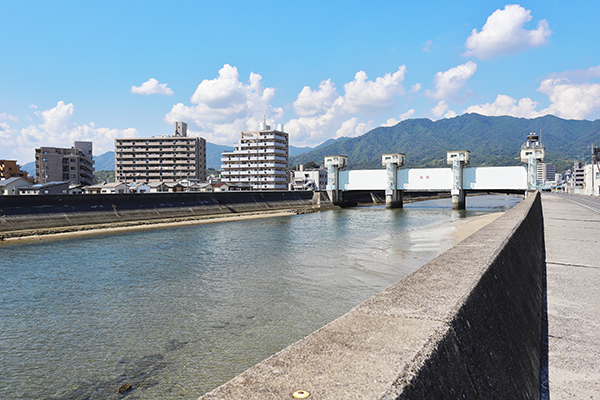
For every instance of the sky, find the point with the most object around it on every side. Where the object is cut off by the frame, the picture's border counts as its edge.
(100, 70)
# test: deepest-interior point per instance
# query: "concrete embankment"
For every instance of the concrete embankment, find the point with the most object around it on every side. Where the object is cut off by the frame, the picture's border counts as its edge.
(29, 215)
(466, 325)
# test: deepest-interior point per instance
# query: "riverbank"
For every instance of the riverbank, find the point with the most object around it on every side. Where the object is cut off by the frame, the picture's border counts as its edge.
(105, 229)
(468, 226)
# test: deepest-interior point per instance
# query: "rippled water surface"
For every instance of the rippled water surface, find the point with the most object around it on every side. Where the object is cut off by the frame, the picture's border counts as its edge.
(176, 312)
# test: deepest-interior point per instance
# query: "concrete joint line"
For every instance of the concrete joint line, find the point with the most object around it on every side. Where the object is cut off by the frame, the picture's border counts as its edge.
(585, 206)
(570, 220)
(571, 265)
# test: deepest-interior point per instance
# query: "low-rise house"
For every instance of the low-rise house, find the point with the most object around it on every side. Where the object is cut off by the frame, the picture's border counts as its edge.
(157, 186)
(45, 188)
(10, 186)
(114, 188)
(76, 189)
(139, 187)
(175, 187)
(94, 189)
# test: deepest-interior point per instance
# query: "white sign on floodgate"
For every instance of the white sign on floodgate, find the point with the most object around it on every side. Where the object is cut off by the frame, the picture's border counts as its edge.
(434, 179)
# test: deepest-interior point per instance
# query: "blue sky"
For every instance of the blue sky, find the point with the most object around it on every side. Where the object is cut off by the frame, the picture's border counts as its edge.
(96, 70)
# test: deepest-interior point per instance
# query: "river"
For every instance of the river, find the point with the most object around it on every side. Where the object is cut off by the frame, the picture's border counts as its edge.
(176, 312)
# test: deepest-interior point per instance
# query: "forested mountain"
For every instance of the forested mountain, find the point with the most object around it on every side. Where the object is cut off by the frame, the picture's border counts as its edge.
(492, 141)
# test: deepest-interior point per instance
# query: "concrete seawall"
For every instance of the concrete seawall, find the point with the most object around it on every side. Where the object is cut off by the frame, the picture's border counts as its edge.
(466, 325)
(19, 213)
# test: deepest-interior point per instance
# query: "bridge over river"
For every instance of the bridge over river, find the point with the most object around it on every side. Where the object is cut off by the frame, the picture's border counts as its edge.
(457, 180)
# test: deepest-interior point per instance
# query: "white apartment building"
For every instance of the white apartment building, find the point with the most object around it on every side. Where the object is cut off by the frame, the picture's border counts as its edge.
(309, 179)
(591, 180)
(260, 159)
(161, 158)
(545, 173)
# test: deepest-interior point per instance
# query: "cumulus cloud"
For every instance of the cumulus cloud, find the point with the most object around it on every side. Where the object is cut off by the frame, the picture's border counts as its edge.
(311, 102)
(223, 106)
(401, 117)
(415, 88)
(504, 33)
(448, 84)
(56, 130)
(151, 86)
(324, 110)
(506, 105)
(570, 100)
(440, 108)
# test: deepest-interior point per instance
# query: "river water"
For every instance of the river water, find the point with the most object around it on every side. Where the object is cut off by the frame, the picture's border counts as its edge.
(176, 312)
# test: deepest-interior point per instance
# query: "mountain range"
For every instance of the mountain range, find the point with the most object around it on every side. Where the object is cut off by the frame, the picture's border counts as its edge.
(493, 141)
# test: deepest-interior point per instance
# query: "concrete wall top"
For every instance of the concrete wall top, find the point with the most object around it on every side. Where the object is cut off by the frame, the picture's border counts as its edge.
(465, 325)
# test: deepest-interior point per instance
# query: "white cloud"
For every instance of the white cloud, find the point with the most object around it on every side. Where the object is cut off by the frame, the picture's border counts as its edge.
(311, 102)
(415, 88)
(56, 130)
(450, 114)
(440, 108)
(579, 74)
(373, 97)
(223, 106)
(401, 117)
(504, 34)
(8, 117)
(324, 111)
(569, 100)
(448, 84)
(151, 86)
(506, 105)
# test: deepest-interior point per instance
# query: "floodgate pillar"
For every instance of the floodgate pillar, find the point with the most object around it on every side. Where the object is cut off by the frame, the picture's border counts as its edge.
(334, 164)
(458, 159)
(393, 196)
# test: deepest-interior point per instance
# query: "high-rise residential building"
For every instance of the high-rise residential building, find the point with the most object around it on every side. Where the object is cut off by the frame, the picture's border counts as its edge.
(260, 159)
(545, 173)
(75, 165)
(161, 158)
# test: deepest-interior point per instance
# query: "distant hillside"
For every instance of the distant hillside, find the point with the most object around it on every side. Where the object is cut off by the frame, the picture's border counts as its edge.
(105, 162)
(296, 151)
(492, 141)
(213, 154)
(30, 168)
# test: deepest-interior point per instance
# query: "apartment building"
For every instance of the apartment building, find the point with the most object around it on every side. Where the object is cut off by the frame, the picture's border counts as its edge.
(309, 179)
(74, 165)
(10, 169)
(260, 159)
(161, 158)
(545, 173)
